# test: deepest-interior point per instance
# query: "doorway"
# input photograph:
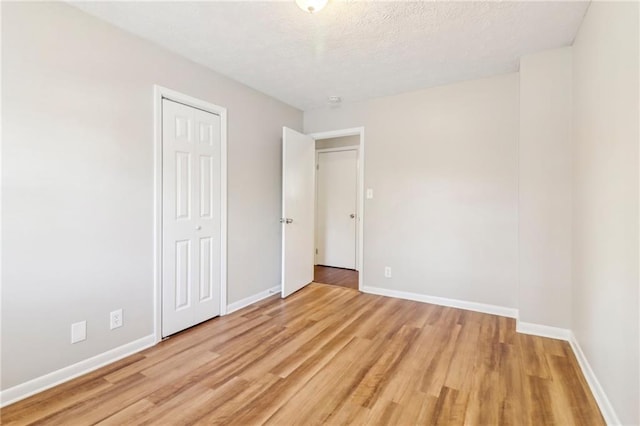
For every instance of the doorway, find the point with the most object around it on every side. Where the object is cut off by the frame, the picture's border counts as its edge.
(299, 210)
(190, 212)
(337, 211)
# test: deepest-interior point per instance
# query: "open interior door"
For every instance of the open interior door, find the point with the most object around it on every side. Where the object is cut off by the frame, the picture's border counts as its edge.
(298, 163)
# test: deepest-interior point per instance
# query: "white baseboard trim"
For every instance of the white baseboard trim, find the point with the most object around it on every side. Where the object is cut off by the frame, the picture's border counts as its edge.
(39, 384)
(606, 408)
(235, 306)
(521, 327)
(42, 383)
(543, 330)
(452, 303)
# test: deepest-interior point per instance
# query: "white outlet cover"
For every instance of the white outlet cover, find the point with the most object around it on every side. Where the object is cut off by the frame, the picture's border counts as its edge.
(78, 331)
(115, 319)
(387, 272)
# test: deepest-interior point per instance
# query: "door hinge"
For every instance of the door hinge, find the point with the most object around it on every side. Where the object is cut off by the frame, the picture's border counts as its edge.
(317, 166)
(316, 251)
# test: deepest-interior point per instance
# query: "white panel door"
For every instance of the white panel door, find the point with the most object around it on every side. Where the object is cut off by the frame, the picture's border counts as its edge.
(191, 204)
(336, 208)
(298, 163)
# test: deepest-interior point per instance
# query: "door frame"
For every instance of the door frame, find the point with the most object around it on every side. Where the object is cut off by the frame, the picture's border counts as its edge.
(354, 131)
(355, 148)
(160, 93)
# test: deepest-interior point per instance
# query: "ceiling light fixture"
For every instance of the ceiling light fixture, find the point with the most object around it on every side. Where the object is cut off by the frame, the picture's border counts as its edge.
(311, 6)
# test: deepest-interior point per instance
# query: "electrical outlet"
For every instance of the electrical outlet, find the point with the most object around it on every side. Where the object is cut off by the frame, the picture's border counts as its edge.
(387, 271)
(116, 319)
(78, 331)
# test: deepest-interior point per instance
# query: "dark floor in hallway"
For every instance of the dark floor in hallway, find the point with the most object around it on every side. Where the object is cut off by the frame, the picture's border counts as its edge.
(336, 276)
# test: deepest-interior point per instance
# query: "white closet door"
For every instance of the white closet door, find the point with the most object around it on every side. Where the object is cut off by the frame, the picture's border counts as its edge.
(191, 252)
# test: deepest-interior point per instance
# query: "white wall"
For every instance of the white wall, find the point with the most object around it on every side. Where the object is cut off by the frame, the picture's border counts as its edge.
(605, 207)
(338, 142)
(443, 166)
(545, 188)
(77, 178)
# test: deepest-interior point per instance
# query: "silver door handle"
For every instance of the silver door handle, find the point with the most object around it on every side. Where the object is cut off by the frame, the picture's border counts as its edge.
(198, 228)
(286, 220)
(352, 215)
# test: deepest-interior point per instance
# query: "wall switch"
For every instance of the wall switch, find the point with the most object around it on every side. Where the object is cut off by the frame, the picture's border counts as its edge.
(78, 331)
(387, 272)
(116, 319)
(369, 193)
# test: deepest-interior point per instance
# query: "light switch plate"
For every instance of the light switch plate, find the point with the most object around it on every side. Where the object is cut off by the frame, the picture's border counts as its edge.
(369, 193)
(78, 331)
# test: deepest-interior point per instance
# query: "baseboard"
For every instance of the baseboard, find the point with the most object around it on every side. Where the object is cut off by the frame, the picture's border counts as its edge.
(606, 408)
(452, 303)
(543, 330)
(565, 334)
(235, 306)
(521, 327)
(39, 384)
(42, 383)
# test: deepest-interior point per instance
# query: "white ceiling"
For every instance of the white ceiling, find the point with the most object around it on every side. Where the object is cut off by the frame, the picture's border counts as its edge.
(356, 50)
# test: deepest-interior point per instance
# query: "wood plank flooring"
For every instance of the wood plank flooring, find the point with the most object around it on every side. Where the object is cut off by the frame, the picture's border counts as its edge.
(336, 276)
(331, 355)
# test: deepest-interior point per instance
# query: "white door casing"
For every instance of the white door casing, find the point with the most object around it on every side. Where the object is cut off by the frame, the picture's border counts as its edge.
(298, 189)
(336, 208)
(191, 216)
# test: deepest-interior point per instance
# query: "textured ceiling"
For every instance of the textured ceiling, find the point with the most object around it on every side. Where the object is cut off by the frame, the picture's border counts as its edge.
(356, 50)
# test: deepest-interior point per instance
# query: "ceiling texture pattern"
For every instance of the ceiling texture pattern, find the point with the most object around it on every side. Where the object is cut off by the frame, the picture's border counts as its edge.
(353, 49)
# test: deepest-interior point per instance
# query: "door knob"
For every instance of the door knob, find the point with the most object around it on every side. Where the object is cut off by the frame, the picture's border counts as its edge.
(198, 228)
(286, 220)
(352, 215)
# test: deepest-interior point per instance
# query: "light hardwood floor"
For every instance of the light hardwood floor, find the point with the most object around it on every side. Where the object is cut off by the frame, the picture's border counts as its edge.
(331, 355)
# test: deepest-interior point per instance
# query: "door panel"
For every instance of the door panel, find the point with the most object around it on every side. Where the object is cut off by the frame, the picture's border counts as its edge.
(206, 179)
(336, 208)
(183, 185)
(183, 280)
(206, 269)
(191, 216)
(298, 162)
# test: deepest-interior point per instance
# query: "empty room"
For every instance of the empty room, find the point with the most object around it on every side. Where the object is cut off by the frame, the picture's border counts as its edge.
(320, 212)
